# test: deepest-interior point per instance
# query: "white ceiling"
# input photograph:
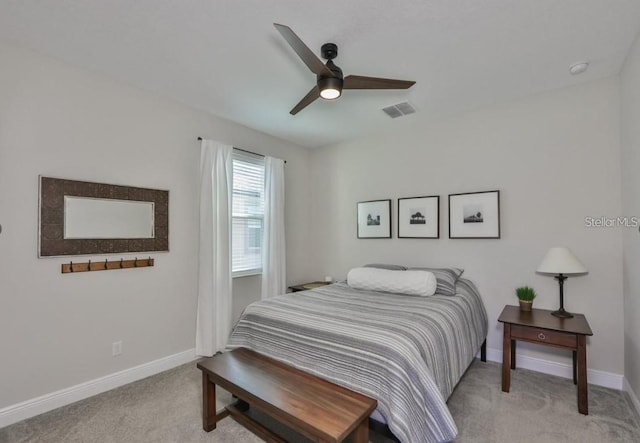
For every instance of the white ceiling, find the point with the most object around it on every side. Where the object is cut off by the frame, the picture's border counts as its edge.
(226, 57)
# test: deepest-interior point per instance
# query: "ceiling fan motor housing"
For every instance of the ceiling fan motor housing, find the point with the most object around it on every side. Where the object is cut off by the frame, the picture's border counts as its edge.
(334, 83)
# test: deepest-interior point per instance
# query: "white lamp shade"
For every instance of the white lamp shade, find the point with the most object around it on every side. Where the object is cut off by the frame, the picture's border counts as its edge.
(560, 260)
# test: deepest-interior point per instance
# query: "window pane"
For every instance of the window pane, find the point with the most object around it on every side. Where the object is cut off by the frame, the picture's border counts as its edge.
(248, 211)
(248, 189)
(246, 244)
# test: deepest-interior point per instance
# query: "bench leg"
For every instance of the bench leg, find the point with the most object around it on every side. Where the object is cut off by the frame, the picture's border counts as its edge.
(361, 433)
(208, 403)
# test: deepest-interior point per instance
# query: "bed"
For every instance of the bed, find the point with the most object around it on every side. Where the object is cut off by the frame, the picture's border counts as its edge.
(407, 352)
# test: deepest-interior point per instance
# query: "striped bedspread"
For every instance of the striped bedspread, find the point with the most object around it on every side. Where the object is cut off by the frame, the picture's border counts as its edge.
(406, 352)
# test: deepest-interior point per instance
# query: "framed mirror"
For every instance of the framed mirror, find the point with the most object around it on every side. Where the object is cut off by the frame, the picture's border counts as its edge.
(82, 218)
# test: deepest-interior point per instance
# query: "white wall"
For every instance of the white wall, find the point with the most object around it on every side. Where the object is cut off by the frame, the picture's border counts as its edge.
(630, 92)
(554, 157)
(56, 330)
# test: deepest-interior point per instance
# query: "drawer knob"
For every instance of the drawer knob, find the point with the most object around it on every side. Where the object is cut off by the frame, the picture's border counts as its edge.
(541, 336)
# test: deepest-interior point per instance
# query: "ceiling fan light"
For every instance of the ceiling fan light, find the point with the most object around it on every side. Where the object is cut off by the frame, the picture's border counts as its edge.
(329, 94)
(330, 87)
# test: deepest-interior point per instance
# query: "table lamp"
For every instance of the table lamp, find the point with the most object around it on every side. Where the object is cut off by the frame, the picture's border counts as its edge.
(561, 262)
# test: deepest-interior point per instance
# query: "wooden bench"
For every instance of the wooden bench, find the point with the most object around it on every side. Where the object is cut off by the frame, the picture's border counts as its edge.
(315, 408)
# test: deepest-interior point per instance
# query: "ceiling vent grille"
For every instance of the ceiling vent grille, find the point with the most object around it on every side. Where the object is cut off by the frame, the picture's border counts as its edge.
(398, 110)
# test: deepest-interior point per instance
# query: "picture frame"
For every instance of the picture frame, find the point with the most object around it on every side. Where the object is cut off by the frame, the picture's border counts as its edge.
(419, 217)
(474, 215)
(374, 219)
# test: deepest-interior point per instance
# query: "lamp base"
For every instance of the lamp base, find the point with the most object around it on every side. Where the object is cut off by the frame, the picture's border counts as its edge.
(562, 313)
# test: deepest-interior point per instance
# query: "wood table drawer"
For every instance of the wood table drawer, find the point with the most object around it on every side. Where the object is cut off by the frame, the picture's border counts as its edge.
(544, 336)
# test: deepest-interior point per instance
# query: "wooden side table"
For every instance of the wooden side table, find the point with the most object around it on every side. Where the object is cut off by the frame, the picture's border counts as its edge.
(539, 326)
(308, 286)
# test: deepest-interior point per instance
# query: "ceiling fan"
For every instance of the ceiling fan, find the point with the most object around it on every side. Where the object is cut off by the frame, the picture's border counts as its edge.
(330, 81)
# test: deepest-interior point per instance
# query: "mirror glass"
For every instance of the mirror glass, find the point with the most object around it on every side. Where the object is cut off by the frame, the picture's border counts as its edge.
(100, 218)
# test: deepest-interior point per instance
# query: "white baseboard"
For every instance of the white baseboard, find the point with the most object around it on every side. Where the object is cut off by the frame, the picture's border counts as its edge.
(632, 395)
(595, 377)
(35, 406)
(30, 408)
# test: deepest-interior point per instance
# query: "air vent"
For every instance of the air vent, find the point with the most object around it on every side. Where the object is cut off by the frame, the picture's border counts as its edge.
(399, 110)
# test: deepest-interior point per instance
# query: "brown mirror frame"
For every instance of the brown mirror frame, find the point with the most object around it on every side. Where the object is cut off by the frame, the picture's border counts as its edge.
(51, 225)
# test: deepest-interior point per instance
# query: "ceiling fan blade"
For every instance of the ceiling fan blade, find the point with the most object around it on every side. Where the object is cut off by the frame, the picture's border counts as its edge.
(308, 57)
(362, 82)
(306, 101)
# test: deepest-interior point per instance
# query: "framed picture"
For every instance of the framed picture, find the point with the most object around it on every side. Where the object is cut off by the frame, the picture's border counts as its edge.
(374, 219)
(474, 215)
(419, 217)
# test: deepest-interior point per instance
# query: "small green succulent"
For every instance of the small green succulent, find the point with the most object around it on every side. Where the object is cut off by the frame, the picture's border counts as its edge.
(525, 293)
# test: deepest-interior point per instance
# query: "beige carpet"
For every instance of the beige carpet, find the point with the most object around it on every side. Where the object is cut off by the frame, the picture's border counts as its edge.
(166, 408)
(539, 408)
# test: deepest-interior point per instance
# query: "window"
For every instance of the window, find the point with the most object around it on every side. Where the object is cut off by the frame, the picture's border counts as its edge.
(247, 213)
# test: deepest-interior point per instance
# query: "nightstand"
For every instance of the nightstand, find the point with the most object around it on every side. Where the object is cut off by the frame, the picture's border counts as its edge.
(540, 327)
(310, 285)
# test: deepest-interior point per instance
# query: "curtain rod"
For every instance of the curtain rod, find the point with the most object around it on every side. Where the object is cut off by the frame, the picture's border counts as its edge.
(243, 150)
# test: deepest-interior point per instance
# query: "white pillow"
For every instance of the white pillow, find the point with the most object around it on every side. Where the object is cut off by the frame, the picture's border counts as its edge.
(400, 282)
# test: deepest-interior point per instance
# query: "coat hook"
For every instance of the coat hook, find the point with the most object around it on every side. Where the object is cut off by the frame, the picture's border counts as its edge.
(135, 262)
(149, 261)
(70, 266)
(105, 263)
(89, 267)
(121, 266)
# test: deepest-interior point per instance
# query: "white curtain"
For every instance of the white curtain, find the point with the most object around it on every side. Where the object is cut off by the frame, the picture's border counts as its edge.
(273, 244)
(214, 274)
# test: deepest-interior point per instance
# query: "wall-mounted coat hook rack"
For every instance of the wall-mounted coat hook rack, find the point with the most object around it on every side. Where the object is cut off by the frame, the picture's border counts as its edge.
(107, 265)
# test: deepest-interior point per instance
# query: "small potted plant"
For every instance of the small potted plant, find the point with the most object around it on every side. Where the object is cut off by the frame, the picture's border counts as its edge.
(526, 295)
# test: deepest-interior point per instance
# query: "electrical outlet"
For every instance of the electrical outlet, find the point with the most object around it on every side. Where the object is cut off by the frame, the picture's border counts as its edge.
(116, 348)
